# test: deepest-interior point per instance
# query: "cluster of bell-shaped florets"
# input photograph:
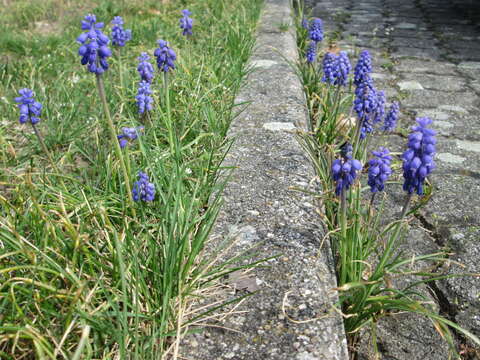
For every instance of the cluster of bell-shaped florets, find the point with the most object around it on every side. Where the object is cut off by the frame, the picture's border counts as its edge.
(311, 52)
(165, 56)
(344, 170)
(93, 50)
(336, 68)
(418, 158)
(379, 169)
(128, 134)
(119, 35)
(30, 110)
(143, 189)
(144, 99)
(145, 68)
(390, 122)
(315, 31)
(365, 105)
(186, 22)
(363, 68)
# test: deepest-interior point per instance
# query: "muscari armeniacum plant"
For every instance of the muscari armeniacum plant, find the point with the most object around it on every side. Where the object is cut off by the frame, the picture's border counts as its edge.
(166, 63)
(144, 99)
(143, 189)
(145, 68)
(364, 240)
(120, 36)
(30, 112)
(186, 23)
(94, 52)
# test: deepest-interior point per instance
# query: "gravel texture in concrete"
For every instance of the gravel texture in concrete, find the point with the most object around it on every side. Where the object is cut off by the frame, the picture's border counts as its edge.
(292, 316)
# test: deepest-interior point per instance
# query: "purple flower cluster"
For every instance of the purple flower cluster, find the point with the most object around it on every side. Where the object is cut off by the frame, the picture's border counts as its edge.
(379, 169)
(311, 52)
(315, 32)
(363, 68)
(145, 68)
(186, 23)
(305, 23)
(143, 189)
(329, 67)
(30, 110)
(144, 100)
(119, 35)
(94, 50)
(128, 133)
(344, 170)
(380, 110)
(390, 121)
(365, 104)
(165, 56)
(418, 158)
(336, 68)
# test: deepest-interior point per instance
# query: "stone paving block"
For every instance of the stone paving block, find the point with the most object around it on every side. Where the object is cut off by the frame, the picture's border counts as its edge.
(425, 66)
(421, 53)
(417, 99)
(437, 82)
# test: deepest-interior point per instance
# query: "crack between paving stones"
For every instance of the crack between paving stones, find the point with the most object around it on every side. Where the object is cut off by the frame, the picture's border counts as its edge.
(446, 308)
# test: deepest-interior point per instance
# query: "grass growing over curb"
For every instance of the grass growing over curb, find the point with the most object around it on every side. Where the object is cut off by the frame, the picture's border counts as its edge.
(83, 274)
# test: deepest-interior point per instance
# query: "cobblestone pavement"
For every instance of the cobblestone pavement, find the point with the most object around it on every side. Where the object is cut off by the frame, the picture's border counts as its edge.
(427, 55)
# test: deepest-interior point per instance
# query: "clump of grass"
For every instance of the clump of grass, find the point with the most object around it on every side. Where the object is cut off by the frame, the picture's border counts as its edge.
(365, 241)
(84, 272)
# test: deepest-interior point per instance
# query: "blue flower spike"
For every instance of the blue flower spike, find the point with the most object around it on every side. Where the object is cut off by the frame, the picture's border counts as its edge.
(143, 189)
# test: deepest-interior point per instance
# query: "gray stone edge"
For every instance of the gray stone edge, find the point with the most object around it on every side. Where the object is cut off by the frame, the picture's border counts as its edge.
(261, 208)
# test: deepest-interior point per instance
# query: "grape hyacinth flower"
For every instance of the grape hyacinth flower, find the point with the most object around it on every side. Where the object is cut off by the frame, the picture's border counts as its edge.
(30, 110)
(128, 133)
(119, 35)
(379, 169)
(145, 68)
(315, 32)
(365, 104)
(143, 189)
(380, 110)
(311, 52)
(305, 23)
(390, 122)
(144, 100)
(186, 23)
(329, 67)
(343, 68)
(165, 56)
(336, 68)
(363, 68)
(344, 172)
(418, 158)
(94, 50)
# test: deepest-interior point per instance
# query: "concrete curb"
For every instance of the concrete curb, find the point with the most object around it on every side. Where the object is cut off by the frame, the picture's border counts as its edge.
(261, 209)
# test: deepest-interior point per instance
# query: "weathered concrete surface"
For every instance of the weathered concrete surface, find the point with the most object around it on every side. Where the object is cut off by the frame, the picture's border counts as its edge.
(429, 55)
(261, 209)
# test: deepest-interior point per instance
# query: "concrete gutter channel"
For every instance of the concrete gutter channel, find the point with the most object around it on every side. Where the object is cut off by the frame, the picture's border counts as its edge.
(260, 208)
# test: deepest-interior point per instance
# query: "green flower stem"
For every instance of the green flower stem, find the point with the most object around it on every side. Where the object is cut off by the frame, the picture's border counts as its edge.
(44, 148)
(405, 206)
(343, 245)
(49, 156)
(120, 69)
(169, 115)
(113, 134)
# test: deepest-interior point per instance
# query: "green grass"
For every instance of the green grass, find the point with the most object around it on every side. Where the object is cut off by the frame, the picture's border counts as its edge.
(83, 274)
